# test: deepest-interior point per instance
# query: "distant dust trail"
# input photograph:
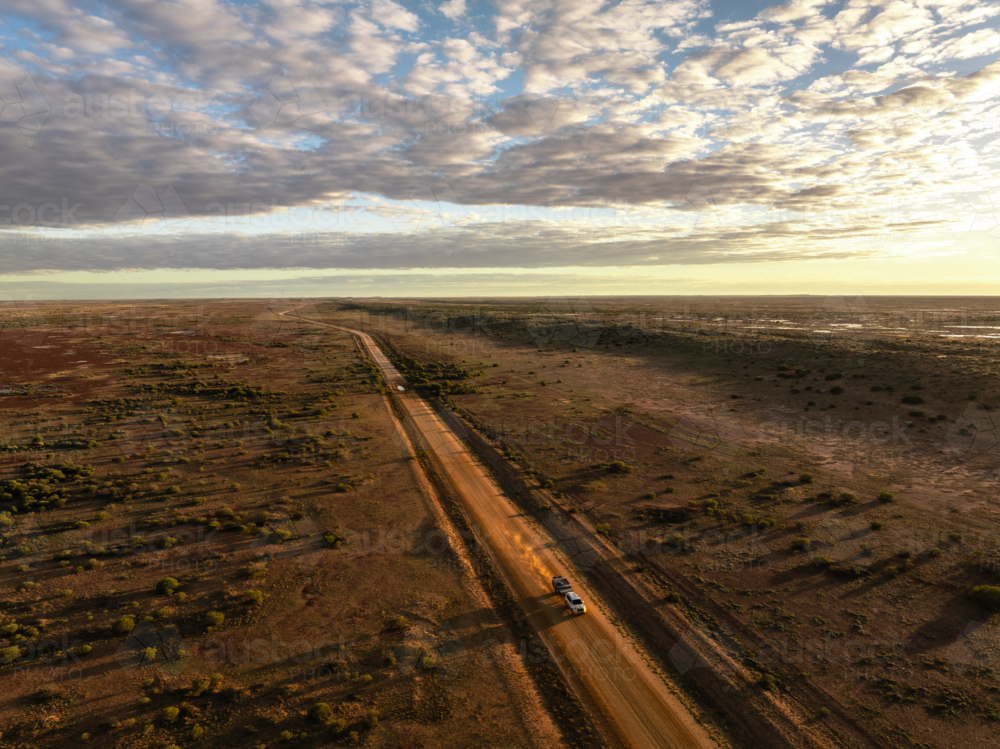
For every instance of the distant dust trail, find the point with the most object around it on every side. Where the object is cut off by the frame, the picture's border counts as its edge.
(607, 673)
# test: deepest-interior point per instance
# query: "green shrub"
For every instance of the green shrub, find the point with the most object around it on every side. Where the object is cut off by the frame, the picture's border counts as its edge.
(400, 622)
(802, 544)
(344, 488)
(167, 586)
(887, 497)
(214, 618)
(9, 655)
(169, 714)
(912, 400)
(619, 466)
(124, 625)
(989, 595)
(338, 726)
(321, 712)
(253, 597)
(876, 525)
(603, 528)
(371, 719)
(806, 478)
(767, 682)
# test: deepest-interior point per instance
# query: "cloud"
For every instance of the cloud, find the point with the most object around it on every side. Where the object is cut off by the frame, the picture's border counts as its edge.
(701, 125)
(453, 9)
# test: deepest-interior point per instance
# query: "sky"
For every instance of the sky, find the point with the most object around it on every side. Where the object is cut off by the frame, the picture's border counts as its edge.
(175, 148)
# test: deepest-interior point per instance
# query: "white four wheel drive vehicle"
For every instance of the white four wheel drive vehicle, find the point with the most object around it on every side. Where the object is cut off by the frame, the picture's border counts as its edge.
(562, 587)
(575, 604)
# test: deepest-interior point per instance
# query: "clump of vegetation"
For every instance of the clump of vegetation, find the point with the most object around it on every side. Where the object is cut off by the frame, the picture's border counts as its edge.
(887, 497)
(167, 586)
(801, 543)
(321, 712)
(400, 622)
(619, 466)
(805, 478)
(214, 618)
(253, 597)
(124, 625)
(767, 682)
(988, 595)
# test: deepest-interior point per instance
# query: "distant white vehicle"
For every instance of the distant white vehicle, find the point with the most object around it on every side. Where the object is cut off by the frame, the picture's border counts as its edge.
(400, 388)
(575, 604)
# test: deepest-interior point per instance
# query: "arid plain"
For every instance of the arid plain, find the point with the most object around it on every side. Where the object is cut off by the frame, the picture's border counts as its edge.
(219, 526)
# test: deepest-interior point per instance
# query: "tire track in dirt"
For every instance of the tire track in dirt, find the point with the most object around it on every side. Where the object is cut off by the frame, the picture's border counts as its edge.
(608, 674)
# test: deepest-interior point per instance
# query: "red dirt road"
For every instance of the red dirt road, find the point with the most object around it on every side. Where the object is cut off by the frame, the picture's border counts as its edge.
(607, 673)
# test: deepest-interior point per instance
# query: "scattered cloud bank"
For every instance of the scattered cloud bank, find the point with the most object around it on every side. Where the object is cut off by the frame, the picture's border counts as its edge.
(631, 132)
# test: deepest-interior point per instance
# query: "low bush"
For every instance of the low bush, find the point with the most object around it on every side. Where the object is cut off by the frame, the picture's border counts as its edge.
(619, 466)
(989, 595)
(321, 712)
(167, 586)
(124, 625)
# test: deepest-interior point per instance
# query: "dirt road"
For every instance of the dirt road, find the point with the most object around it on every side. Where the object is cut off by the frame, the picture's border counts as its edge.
(606, 672)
